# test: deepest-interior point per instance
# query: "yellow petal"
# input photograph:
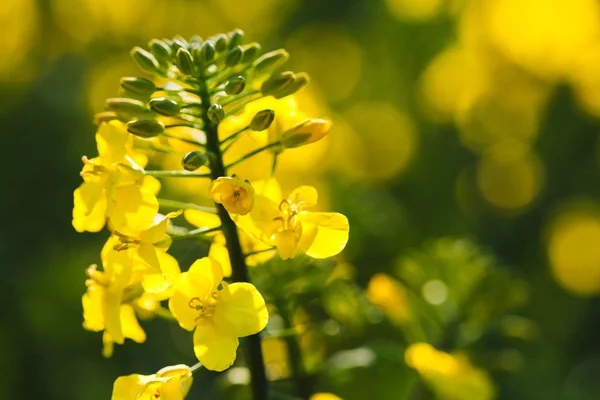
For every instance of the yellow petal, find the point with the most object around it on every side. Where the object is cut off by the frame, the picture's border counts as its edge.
(202, 219)
(111, 309)
(235, 194)
(171, 390)
(261, 222)
(89, 207)
(214, 350)
(131, 327)
(324, 234)
(161, 283)
(268, 188)
(111, 139)
(179, 303)
(93, 318)
(287, 243)
(206, 273)
(147, 252)
(151, 184)
(130, 386)
(218, 251)
(307, 195)
(132, 208)
(250, 244)
(241, 310)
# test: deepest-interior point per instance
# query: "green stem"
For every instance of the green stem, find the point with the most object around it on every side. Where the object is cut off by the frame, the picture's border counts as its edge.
(176, 174)
(299, 375)
(259, 251)
(164, 313)
(196, 232)
(237, 97)
(238, 265)
(253, 153)
(233, 135)
(185, 206)
(189, 141)
(241, 106)
(196, 367)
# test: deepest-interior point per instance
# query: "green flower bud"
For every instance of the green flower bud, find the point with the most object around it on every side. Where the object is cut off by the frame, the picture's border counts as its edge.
(262, 120)
(300, 81)
(208, 51)
(269, 62)
(308, 131)
(179, 42)
(193, 160)
(236, 38)
(195, 42)
(215, 113)
(145, 60)
(185, 62)
(220, 42)
(165, 106)
(235, 85)
(234, 56)
(138, 86)
(105, 116)
(145, 128)
(161, 51)
(250, 53)
(128, 108)
(277, 83)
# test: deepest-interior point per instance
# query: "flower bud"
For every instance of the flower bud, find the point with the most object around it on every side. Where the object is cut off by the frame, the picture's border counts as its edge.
(161, 51)
(235, 194)
(195, 42)
(139, 86)
(179, 42)
(262, 120)
(128, 107)
(250, 53)
(193, 160)
(277, 82)
(220, 42)
(165, 106)
(185, 62)
(300, 81)
(269, 62)
(308, 131)
(145, 60)
(234, 56)
(145, 128)
(208, 51)
(215, 113)
(235, 85)
(236, 38)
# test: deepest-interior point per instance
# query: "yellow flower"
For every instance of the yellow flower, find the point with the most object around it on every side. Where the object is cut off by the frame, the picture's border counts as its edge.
(148, 241)
(324, 396)
(114, 186)
(449, 376)
(287, 225)
(235, 194)
(308, 131)
(170, 383)
(218, 317)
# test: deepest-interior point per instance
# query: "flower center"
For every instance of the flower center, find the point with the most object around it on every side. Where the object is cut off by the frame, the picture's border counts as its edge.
(206, 308)
(125, 242)
(288, 218)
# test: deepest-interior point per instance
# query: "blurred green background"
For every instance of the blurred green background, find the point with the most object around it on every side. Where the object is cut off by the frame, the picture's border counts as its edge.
(457, 119)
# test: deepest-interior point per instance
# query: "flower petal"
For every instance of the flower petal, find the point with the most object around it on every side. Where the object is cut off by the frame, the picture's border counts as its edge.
(179, 303)
(218, 251)
(93, 318)
(147, 252)
(324, 234)
(206, 272)
(307, 195)
(111, 139)
(161, 283)
(215, 351)
(130, 386)
(131, 327)
(89, 207)
(202, 219)
(132, 208)
(241, 310)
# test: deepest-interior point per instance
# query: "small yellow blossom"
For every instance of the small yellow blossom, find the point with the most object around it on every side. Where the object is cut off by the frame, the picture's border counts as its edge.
(235, 194)
(218, 317)
(287, 225)
(148, 241)
(170, 383)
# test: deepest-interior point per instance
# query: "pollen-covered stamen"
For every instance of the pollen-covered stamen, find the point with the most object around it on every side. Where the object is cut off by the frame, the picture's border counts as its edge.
(96, 169)
(125, 241)
(206, 308)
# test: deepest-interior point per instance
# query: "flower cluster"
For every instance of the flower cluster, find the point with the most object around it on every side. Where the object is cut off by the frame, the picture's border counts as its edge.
(210, 107)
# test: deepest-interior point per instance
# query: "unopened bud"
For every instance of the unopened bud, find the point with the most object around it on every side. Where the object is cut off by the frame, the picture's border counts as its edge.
(234, 56)
(277, 83)
(165, 106)
(236, 38)
(235, 85)
(262, 120)
(105, 116)
(179, 42)
(193, 160)
(309, 131)
(139, 86)
(145, 60)
(215, 113)
(208, 51)
(220, 42)
(161, 51)
(300, 81)
(128, 107)
(250, 53)
(185, 62)
(195, 42)
(146, 128)
(269, 62)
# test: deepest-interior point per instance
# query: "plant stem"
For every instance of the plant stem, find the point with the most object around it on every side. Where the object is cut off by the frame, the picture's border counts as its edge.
(196, 232)
(260, 251)
(195, 367)
(189, 206)
(238, 265)
(299, 375)
(176, 174)
(253, 153)
(185, 140)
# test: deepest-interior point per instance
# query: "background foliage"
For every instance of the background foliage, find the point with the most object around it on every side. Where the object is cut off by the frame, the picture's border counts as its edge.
(465, 141)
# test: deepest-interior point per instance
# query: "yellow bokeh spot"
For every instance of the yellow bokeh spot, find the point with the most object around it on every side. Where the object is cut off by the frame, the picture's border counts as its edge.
(509, 177)
(331, 57)
(324, 396)
(574, 250)
(19, 19)
(391, 296)
(544, 36)
(379, 144)
(275, 355)
(415, 10)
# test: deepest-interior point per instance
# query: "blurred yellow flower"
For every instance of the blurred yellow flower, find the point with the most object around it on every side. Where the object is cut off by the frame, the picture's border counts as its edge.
(235, 194)
(286, 224)
(324, 396)
(170, 383)
(391, 296)
(450, 377)
(218, 317)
